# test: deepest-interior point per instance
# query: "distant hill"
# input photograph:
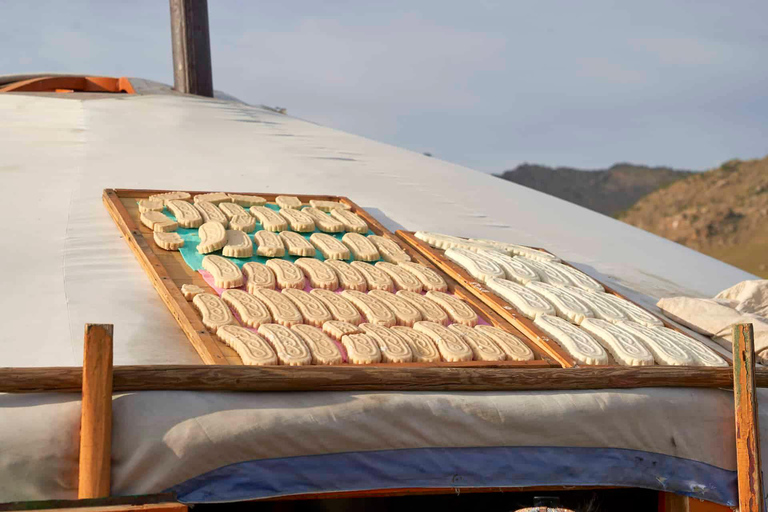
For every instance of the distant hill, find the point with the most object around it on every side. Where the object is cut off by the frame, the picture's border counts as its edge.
(609, 191)
(722, 213)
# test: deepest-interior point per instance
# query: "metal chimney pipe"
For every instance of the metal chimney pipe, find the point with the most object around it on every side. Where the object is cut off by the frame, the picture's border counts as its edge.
(192, 72)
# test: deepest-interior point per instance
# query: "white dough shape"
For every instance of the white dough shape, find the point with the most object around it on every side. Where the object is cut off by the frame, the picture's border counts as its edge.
(360, 247)
(242, 223)
(151, 205)
(578, 278)
(268, 244)
(251, 310)
(429, 309)
(167, 196)
(297, 245)
(529, 303)
(375, 278)
(423, 348)
(389, 250)
(459, 311)
(582, 347)
(213, 197)
(446, 242)
(375, 311)
(191, 290)
(665, 351)
(702, 355)
(513, 347)
(451, 346)
(225, 273)
(299, 221)
(331, 248)
(602, 308)
(239, 244)
(567, 305)
(269, 219)
(247, 201)
(477, 265)
(548, 273)
(514, 269)
(405, 312)
(327, 206)
(430, 280)
(232, 210)
(213, 237)
(258, 276)
(634, 312)
(352, 222)
(324, 350)
(483, 347)
(251, 347)
(290, 202)
(349, 277)
(519, 250)
(289, 346)
(323, 221)
(626, 348)
(168, 241)
(213, 310)
(158, 221)
(393, 348)
(402, 279)
(211, 213)
(287, 274)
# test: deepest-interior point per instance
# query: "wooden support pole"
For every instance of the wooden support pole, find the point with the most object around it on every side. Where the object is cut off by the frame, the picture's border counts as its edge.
(747, 426)
(96, 415)
(192, 73)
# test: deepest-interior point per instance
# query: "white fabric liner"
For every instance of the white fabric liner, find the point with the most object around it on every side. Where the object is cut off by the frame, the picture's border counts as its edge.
(57, 156)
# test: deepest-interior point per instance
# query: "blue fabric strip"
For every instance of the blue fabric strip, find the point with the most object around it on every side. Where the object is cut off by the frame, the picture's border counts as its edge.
(460, 468)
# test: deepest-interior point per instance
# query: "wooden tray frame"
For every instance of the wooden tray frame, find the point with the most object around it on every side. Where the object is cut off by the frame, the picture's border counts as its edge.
(167, 272)
(507, 311)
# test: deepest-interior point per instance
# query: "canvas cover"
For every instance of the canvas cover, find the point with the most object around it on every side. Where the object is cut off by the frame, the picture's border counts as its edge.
(66, 264)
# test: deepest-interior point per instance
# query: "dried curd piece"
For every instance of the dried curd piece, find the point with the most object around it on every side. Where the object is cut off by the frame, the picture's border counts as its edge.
(289, 347)
(323, 349)
(582, 347)
(529, 303)
(151, 205)
(213, 311)
(518, 250)
(239, 245)
(626, 348)
(287, 274)
(393, 348)
(452, 348)
(341, 309)
(429, 309)
(403, 279)
(296, 245)
(430, 280)
(567, 305)
(375, 311)
(457, 309)
(512, 346)
(299, 221)
(548, 273)
(247, 201)
(388, 249)
(318, 273)
(349, 277)
(329, 247)
(483, 347)
(702, 355)
(167, 196)
(213, 237)
(439, 240)
(268, 244)
(336, 329)
(251, 310)
(361, 349)
(634, 312)
(578, 278)
(327, 206)
(665, 351)
(157, 221)
(246, 224)
(423, 348)
(291, 202)
(190, 291)
(477, 265)
(233, 210)
(360, 247)
(352, 222)
(211, 213)
(186, 214)
(603, 309)
(168, 241)
(313, 310)
(258, 276)
(252, 348)
(323, 221)
(404, 311)
(213, 197)
(225, 273)
(280, 307)
(269, 219)
(515, 269)
(375, 278)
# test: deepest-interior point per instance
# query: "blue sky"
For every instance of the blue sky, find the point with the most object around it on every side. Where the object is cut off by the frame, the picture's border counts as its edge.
(484, 84)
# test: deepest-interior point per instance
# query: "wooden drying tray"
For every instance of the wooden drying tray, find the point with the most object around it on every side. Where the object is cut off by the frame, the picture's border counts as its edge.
(503, 308)
(168, 272)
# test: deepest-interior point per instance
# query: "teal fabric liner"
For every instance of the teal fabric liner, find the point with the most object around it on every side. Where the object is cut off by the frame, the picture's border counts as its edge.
(195, 260)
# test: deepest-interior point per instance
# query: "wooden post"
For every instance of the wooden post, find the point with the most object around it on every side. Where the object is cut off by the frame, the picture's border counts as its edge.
(747, 427)
(96, 415)
(191, 43)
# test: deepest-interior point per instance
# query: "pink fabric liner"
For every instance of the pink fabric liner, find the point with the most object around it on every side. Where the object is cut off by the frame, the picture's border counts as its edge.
(209, 279)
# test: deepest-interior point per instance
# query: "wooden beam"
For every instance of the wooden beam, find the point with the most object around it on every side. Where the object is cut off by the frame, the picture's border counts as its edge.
(747, 426)
(96, 416)
(393, 377)
(192, 73)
